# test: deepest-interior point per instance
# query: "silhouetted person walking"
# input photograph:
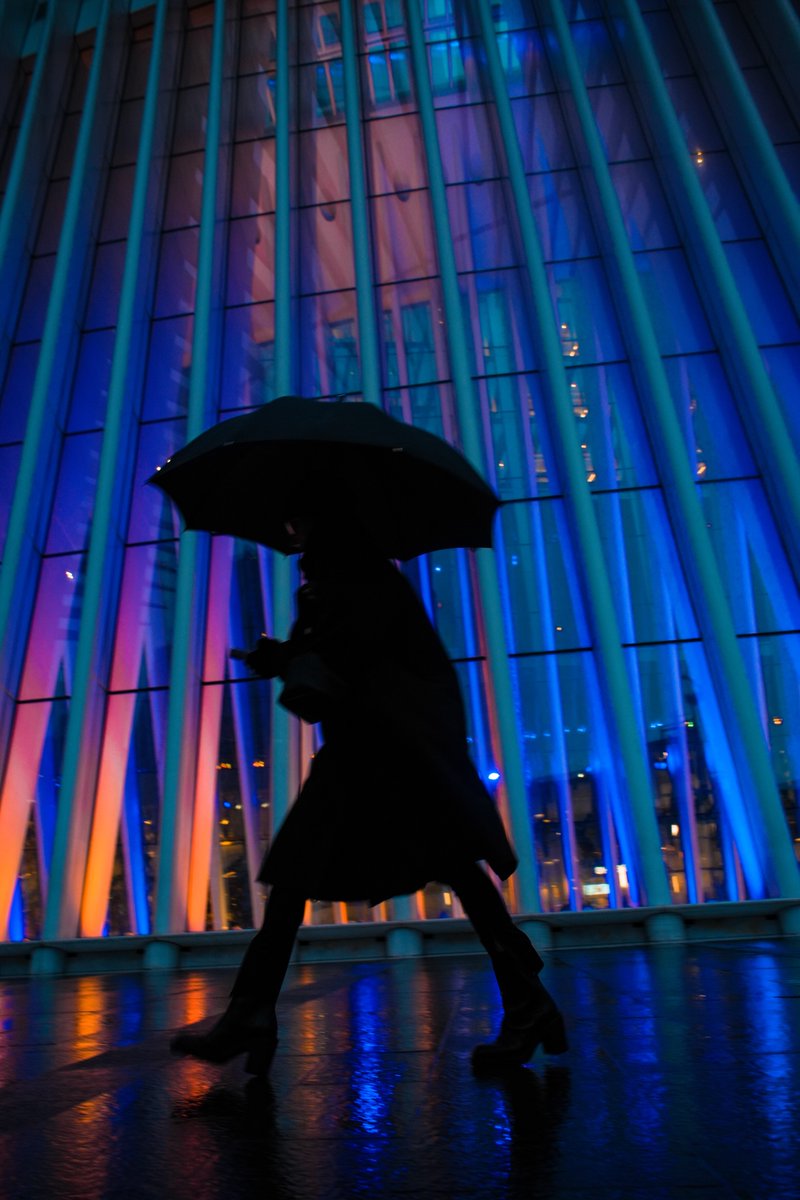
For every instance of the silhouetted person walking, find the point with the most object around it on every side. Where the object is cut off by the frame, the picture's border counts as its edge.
(392, 800)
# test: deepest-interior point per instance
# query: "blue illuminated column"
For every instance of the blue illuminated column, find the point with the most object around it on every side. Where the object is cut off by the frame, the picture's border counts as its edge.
(33, 496)
(747, 138)
(193, 562)
(18, 217)
(759, 408)
(83, 739)
(33, 151)
(599, 598)
(283, 733)
(762, 858)
(469, 423)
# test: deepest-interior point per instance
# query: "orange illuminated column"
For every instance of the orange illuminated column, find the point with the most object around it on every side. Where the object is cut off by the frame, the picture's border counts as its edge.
(44, 658)
(214, 665)
(129, 650)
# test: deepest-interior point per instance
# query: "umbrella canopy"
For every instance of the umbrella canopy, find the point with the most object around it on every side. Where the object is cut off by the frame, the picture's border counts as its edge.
(410, 491)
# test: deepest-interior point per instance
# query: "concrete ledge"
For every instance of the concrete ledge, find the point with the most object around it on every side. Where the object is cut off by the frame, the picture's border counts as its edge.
(368, 941)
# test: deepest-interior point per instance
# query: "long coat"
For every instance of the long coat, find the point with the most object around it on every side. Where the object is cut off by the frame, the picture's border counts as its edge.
(392, 800)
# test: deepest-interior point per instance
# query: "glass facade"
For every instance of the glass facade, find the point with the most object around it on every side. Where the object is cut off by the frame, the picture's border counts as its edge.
(562, 234)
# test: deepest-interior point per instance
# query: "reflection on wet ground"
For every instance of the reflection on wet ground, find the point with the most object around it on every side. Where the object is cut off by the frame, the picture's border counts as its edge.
(682, 1081)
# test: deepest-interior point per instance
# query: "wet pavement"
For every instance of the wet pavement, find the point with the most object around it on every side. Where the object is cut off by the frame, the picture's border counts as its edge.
(681, 1081)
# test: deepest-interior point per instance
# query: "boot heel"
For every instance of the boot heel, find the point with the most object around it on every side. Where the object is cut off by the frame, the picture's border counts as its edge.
(554, 1040)
(260, 1054)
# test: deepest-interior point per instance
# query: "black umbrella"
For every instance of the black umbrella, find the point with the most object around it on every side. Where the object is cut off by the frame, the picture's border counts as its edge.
(409, 490)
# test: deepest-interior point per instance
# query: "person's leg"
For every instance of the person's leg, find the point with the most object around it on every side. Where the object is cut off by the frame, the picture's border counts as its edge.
(531, 1017)
(266, 959)
(248, 1025)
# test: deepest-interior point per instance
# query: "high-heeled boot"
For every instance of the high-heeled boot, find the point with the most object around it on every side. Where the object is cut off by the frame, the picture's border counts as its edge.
(531, 1017)
(246, 1027)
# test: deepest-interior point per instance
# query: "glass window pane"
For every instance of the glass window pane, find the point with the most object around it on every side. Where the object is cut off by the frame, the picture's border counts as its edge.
(145, 617)
(52, 217)
(322, 154)
(780, 124)
(257, 44)
(498, 307)
(184, 191)
(328, 352)
(672, 300)
(189, 131)
(404, 241)
(522, 463)
(427, 405)
(138, 64)
(153, 516)
(76, 485)
(126, 140)
(17, 392)
(34, 303)
(255, 107)
(248, 361)
(253, 185)
(453, 77)
(618, 124)
(65, 153)
(758, 579)
(479, 225)
(169, 361)
(196, 64)
(9, 465)
(726, 198)
(783, 364)
(761, 289)
(414, 350)
(53, 635)
(790, 161)
(562, 217)
(738, 35)
(644, 206)
(715, 441)
(92, 376)
(104, 293)
(697, 793)
(609, 427)
(542, 134)
(524, 63)
(326, 248)
(395, 151)
(512, 14)
(596, 54)
(643, 565)
(117, 204)
(177, 273)
(544, 595)
(694, 115)
(572, 789)
(467, 144)
(251, 260)
(585, 313)
(451, 607)
(668, 44)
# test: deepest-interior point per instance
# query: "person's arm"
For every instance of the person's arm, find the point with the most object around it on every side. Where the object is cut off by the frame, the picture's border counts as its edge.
(268, 657)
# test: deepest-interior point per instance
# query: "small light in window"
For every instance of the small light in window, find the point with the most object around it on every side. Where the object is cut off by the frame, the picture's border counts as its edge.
(493, 775)
(69, 575)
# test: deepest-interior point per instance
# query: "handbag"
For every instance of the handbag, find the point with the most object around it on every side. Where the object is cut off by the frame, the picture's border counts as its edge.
(310, 689)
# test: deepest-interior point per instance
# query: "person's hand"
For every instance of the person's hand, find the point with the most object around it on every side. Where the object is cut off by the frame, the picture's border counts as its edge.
(266, 657)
